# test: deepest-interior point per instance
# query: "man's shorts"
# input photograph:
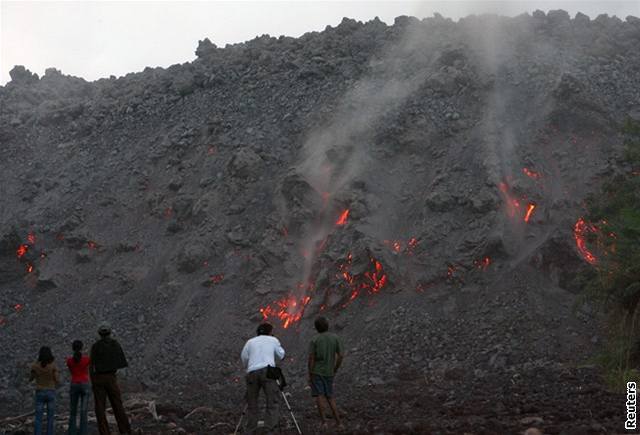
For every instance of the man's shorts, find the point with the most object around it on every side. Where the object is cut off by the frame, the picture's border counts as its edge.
(321, 386)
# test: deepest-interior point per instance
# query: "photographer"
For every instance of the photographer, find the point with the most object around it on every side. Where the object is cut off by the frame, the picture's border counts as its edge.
(258, 354)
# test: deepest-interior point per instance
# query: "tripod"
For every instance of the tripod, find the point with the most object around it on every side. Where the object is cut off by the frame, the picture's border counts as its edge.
(288, 406)
(244, 410)
(281, 387)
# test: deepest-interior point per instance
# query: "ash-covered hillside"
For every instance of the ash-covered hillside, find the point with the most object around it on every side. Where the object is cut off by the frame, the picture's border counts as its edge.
(421, 184)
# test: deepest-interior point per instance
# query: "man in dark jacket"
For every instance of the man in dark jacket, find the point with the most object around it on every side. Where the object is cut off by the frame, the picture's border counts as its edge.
(107, 357)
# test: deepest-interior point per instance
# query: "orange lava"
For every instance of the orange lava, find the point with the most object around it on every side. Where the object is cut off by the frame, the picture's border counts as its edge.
(288, 310)
(342, 220)
(399, 246)
(531, 174)
(530, 209)
(580, 230)
(483, 264)
(22, 249)
(217, 278)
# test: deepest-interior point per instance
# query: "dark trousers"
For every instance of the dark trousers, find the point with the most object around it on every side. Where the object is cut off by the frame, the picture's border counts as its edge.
(106, 385)
(256, 381)
(79, 395)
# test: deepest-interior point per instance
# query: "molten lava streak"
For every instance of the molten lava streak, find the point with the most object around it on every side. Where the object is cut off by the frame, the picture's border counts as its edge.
(530, 209)
(531, 174)
(288, 310)
(22, 249)
(217, 278)
(513, 205)
(413, 242)
(580, 230)
(342, 220)
(371, 281)
(483, 264)
(398, 246)
(395, 245)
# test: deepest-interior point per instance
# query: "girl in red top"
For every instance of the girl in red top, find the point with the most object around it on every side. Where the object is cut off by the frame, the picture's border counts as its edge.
(80, 389)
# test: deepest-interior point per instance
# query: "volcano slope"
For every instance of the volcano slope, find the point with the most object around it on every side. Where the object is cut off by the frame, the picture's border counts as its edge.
(419, 184)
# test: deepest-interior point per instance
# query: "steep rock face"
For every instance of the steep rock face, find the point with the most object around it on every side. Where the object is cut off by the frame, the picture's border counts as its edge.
(178, 202)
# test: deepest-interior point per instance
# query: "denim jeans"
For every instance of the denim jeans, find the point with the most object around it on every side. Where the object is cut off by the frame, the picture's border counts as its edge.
(48, 398)
(79, 395)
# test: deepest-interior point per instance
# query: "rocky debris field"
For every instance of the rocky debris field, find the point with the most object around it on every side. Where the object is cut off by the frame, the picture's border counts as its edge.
(555, 399)
(421, 184)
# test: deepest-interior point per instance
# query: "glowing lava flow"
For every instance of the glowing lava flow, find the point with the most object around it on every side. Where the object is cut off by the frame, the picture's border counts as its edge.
(217, 278)
(482, 264)
(289, 310)
(22, 249)
(371, 281)
(397, 245)
(580, 230)
(342, 220)
(513, 204)
(530, 209)
(531, 174)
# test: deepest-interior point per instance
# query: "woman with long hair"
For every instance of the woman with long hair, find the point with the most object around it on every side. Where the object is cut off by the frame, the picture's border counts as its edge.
(45, 373)
(78, 365)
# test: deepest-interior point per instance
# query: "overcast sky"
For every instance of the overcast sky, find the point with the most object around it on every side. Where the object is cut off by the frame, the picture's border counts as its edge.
(98, 39)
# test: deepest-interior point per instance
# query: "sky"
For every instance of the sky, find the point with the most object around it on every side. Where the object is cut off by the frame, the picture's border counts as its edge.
(95, 39)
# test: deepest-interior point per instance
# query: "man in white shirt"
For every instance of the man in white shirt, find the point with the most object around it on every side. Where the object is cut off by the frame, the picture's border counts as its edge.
(257, 354)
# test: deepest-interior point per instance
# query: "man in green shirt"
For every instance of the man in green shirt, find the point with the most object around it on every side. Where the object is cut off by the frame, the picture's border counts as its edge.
(325, 357)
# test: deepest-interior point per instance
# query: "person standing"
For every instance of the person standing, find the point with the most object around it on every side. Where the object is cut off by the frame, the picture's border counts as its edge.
(80, 389)
(325, 358)
(107, 357)
(257, 354)
(45, 373)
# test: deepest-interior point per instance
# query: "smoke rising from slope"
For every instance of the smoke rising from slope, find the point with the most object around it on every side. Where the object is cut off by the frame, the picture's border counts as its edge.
(334, 156)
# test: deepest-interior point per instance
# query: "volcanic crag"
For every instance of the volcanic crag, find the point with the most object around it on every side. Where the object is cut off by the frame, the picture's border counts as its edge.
(421, 184)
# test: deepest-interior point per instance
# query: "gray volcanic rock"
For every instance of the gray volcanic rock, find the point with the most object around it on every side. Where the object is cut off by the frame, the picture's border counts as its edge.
(418, 183)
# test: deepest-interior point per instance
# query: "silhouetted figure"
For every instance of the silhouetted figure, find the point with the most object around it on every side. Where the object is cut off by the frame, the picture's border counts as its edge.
(107, 357)
(79, 390)
(45, 373)
(257, 354)
(325, 357)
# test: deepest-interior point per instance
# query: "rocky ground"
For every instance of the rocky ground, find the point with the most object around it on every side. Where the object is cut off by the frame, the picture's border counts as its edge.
(420, 184)
(553, 398)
